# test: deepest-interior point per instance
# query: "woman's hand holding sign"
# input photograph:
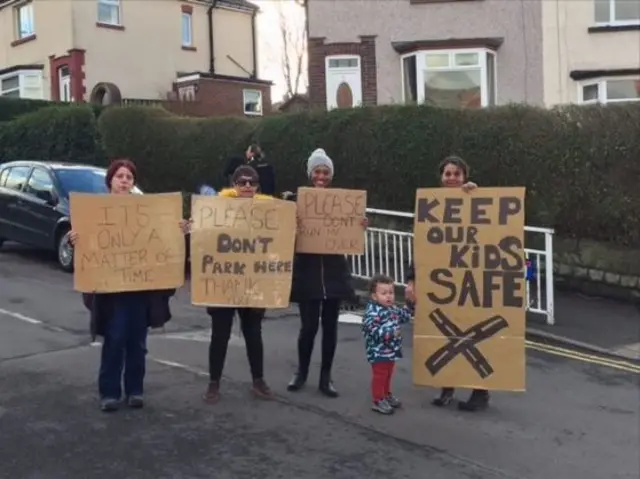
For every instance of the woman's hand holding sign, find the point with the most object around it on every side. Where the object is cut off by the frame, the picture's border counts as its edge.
(185, 226)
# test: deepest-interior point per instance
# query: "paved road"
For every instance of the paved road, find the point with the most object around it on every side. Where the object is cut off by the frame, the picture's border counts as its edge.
(578, 419)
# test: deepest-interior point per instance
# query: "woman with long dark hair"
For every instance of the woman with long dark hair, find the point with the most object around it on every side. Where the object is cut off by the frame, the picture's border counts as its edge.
(454, 173)
(320, 283)
(123, 319)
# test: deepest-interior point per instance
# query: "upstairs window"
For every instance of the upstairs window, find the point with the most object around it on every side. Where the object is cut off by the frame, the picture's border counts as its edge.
(617, 12)
(109, 12)
(24, 21)
(187, 29)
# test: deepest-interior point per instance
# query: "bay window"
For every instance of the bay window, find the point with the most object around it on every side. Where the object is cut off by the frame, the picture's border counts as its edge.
(22, 84)
(464, 78)
(609, 90)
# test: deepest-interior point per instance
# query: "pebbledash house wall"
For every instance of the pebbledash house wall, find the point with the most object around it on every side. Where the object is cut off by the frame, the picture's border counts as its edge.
(369, 27)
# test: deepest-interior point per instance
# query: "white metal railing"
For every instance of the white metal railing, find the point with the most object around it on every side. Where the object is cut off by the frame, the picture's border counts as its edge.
(388, 251)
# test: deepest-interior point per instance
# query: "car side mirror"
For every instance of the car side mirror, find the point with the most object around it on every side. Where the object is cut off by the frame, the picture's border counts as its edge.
(50, 198)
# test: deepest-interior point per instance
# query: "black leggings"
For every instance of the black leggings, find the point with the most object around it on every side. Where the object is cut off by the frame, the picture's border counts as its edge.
(311, 314)
(221, 324)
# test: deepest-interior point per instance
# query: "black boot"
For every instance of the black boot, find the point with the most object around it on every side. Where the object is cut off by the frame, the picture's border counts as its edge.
(478, 401)
(445, 398)
(297, 382)
(326, 385)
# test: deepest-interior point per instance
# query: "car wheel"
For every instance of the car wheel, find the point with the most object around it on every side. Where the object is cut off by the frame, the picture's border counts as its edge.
(64, 251)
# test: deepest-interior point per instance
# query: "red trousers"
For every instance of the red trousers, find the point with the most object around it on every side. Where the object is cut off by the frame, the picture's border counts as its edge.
(381, 380)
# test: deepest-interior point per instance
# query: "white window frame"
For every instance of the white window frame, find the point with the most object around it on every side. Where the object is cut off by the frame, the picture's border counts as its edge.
(601, 83)
(187, 42)
(244, 102)
(482, 59)
(22, 87)
(117, 4)
(21, 11)
(612, 17)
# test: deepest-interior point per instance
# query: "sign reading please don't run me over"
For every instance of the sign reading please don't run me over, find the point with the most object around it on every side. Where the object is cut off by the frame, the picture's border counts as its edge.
(331, 221)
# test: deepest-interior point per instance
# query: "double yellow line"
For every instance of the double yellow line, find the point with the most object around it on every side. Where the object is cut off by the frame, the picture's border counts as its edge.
(620, 365)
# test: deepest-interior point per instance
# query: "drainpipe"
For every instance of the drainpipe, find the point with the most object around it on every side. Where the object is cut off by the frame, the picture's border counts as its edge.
(212, 56)
(255, 43)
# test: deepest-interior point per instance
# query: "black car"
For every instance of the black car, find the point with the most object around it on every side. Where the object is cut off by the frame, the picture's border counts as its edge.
(34, 203)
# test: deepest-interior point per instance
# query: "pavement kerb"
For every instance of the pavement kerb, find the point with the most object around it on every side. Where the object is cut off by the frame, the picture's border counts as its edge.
(539, 334)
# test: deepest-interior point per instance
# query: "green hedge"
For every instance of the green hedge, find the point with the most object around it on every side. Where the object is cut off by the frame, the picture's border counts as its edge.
(57, 133)
(580, 164)
(11, 108)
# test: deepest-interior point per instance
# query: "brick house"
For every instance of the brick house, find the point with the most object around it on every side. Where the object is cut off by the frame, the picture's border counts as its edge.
(200, 52)
(472, 53)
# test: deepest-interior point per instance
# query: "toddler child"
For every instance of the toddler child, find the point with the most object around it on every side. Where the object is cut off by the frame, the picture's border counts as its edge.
(383, 340)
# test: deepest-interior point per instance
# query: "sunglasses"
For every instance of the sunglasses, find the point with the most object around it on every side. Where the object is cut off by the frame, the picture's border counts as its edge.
(246, 182)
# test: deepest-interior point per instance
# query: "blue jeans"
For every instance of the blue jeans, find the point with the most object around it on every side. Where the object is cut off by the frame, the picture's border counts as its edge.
(124, 347)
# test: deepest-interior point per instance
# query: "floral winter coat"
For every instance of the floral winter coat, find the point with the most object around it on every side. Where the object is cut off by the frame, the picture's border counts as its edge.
(381, 330)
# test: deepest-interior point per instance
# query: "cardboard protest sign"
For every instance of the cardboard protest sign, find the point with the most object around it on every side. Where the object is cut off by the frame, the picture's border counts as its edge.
(127, 242)
(470, 288)
(242, 251)
(331, 221)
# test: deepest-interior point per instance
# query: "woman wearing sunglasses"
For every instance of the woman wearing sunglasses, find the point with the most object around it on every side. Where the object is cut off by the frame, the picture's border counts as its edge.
(245, 182)
(454, 173)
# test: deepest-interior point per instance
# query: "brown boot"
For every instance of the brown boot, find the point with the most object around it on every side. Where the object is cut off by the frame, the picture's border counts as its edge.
(213, 393)
(261, 390)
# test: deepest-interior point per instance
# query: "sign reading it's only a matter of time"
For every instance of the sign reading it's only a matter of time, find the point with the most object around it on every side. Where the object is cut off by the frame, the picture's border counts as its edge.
(470, 287)
(127, 242)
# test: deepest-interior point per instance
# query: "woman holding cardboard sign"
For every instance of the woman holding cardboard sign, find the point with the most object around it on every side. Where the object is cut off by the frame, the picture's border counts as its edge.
(454, 173)
(246, 182)
(320, 282)
(123, 319)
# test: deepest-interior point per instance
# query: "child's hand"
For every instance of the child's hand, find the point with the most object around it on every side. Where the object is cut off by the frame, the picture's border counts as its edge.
(409, 293)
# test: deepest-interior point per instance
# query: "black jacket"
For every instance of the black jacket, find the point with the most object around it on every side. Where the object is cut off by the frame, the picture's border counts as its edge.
(101, 308)
(266, 174)
(320, 276)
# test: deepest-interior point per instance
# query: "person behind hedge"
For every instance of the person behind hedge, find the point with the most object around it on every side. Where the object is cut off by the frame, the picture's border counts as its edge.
(383, 340)
(123, 319)
(246, 184)
(320, 282)
(454, 173)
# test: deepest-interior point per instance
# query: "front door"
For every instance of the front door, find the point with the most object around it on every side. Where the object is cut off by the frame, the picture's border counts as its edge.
(64, 82)
(343, 82)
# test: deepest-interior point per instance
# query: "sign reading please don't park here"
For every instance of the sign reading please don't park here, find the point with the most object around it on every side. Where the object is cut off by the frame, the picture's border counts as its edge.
(242, 251)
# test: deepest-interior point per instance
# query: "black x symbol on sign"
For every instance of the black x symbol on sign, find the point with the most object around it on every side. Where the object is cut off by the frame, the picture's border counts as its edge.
(463, 342)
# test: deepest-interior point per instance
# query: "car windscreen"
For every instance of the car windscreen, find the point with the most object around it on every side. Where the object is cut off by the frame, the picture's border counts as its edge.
(75, 180)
